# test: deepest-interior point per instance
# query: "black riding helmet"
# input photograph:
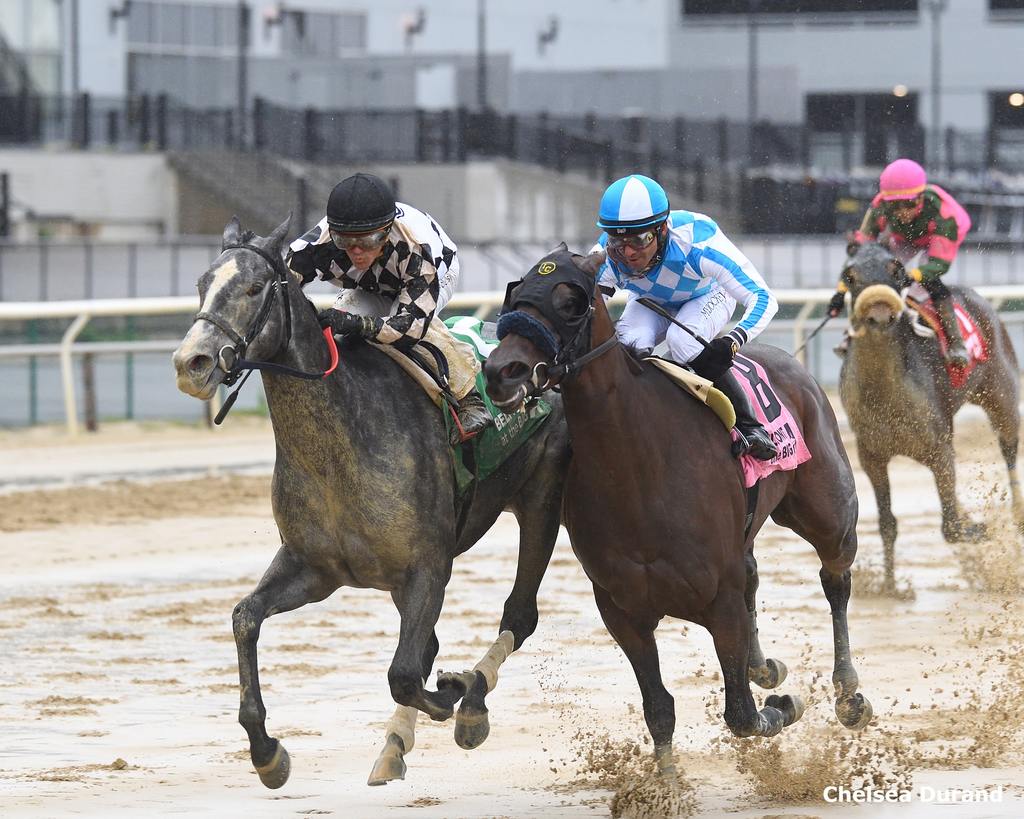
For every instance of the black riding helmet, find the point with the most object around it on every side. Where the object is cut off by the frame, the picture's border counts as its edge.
(360, 203)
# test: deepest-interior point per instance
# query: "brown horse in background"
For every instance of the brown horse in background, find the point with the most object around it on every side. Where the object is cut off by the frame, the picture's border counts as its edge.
(900, 401)
(655, 504)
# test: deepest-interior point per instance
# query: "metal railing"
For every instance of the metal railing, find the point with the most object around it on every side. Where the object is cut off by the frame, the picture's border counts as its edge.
(799, 308)
(601, 145)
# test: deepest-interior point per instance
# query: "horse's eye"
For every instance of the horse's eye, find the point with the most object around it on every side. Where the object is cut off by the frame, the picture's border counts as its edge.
(254, 290)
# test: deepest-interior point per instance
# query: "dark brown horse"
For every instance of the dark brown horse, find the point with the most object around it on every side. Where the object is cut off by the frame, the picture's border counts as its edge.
(655, 503)
(900, 401)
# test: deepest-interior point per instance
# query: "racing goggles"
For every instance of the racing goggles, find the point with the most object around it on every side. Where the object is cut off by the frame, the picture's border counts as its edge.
(636, 241)
(363, 241)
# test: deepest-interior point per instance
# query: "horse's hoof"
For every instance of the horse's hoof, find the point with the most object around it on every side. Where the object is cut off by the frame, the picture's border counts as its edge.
(275, 773)
(471, 728)
(453, 683)
(771, 675)
(967, 532)
(666, 761)
(792, 707)
(854, 712)
(386, 768)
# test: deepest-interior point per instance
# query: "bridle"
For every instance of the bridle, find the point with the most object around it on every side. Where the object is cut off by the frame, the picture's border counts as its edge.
(231, 358)
(569, 344)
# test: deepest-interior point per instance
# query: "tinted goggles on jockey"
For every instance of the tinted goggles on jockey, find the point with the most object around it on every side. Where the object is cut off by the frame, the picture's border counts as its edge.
(636, 241)
(364, 241)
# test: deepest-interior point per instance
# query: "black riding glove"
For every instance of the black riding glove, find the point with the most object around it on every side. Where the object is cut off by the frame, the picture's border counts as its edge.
(836, 304)
(715, 359)
(346, 324)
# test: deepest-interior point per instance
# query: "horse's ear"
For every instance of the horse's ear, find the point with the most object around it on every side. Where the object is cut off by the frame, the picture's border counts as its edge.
(232, 231)
(592, 263)
(561, 246)
(276, 239)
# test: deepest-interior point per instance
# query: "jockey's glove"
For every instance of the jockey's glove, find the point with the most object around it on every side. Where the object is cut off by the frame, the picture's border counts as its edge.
(836, 304)
(915, 274)
(715, 359)
(347, 324)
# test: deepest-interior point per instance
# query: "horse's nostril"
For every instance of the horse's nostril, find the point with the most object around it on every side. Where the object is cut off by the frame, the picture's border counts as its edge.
(200, 363)
(515, 371)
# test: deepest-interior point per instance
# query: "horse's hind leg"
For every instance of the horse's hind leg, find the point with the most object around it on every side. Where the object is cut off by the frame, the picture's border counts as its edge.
(288, 584)
(400, 731)
(767, 673)
(1004, 416)
(727, 623)
(538, 517)
(956, 528)
(852, 708)
(635, 637)
(830, 525)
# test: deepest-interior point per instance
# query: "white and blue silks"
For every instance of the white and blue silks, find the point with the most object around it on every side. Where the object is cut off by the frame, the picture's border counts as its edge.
(700, 278)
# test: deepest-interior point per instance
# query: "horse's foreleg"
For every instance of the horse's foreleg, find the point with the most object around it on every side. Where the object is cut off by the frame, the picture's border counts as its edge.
(538, 529)
(956, 528)
(288, 584)
(767, 673)
(877, 470)
(419, 605)
(636, 639)
(729, 629)
(400, 731)
(853, 710)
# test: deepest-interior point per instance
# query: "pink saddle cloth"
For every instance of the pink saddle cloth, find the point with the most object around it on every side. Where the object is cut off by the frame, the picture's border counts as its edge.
(776, 419)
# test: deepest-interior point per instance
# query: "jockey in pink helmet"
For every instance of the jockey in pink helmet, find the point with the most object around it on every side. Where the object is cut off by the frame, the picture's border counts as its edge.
(911, 216)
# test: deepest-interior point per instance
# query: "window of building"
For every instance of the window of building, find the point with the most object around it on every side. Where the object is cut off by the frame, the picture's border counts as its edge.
(1006, 5)
(316, 34)
(720, 7)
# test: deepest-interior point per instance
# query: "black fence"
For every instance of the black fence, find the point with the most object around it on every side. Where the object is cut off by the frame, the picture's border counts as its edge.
(593, 144)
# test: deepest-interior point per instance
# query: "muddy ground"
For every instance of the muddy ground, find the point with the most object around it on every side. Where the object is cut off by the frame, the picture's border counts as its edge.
(118, 682)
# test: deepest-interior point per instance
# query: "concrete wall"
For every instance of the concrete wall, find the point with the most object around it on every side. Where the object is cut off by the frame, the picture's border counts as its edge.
(108, 196)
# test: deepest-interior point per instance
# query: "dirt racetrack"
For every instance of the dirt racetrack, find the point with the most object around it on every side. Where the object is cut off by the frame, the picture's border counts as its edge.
(118, 688)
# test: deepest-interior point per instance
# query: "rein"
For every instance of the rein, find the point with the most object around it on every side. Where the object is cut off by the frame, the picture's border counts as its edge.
(231, 359)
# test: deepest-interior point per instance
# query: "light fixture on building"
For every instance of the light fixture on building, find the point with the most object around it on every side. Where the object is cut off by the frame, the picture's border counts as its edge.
(899, 91)
(547, 36)
(412, 25)
(1016, 99)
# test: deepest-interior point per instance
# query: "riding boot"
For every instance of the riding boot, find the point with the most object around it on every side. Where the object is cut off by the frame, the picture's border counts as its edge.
(753, 437)
(956, 353)
(473, 416)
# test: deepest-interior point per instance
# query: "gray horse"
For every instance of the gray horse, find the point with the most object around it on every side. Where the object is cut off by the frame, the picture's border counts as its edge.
(363, 494)
(899, 399)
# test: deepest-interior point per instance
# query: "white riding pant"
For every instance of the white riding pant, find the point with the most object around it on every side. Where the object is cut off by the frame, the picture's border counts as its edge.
(706, 315)
(462, 363)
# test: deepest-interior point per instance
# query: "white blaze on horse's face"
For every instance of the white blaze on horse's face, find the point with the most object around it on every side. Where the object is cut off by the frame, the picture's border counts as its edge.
(195, 360)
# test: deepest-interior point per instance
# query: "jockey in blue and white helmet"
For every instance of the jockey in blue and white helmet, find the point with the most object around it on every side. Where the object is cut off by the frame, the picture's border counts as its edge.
(682, 261)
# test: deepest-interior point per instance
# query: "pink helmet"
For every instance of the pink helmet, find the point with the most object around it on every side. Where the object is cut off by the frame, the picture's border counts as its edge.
(902, 179)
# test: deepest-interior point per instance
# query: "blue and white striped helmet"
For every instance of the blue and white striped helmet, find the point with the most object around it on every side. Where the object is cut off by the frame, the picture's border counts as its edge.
(632, 203)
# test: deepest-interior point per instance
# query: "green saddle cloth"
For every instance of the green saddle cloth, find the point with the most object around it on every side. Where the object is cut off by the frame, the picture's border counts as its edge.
(509, 430)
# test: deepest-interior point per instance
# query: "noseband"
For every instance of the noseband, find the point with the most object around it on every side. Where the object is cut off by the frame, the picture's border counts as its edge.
(232, 360)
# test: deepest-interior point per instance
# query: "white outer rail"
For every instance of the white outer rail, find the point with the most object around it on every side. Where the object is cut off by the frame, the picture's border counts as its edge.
(485, 302)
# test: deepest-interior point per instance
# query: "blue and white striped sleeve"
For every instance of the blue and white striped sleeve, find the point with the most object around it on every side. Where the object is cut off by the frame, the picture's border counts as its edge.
(721, 260)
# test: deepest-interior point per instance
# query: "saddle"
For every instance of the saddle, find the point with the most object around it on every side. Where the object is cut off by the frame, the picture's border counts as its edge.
(925, 323)
(776, 418)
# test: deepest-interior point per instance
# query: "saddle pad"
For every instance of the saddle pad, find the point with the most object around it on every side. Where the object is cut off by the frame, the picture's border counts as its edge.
(699, 388)
(509, 430)
(776, 419)
(974, 342)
